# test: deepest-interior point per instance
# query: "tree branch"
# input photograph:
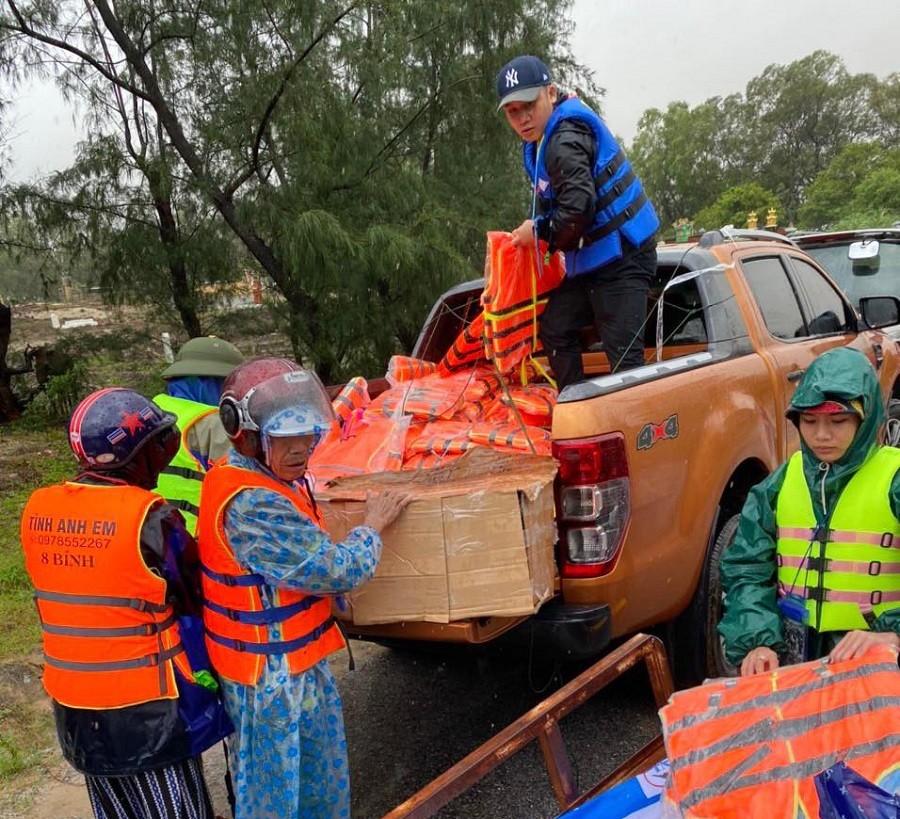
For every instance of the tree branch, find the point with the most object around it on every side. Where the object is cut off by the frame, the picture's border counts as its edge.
(62, 45)
(282, 87)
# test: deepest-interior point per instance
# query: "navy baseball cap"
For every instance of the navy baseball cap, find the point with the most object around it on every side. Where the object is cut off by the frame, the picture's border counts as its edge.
(521, 80)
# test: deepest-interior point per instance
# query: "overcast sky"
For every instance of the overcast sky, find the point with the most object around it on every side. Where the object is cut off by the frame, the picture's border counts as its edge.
(645, 53)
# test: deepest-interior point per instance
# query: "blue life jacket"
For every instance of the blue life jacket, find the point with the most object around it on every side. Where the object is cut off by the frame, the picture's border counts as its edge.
(622, 207)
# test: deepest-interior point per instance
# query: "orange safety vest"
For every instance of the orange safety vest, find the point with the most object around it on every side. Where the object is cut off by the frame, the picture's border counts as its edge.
(110, 638)
(354, 396)
(512, 436)
(372, 444)
(751, 747)
(234, 615)
(510, 299)
(442, 437)
(405, 368)
(468, 347)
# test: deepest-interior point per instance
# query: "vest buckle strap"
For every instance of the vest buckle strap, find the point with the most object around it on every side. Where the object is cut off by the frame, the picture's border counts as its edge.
(233, 579)
(887, 540)
(875, 568)
(817, 594)
(611, 168)
(822, 533)
(817, 564)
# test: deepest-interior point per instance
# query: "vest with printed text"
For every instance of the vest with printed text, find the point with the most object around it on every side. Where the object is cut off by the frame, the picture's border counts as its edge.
(110, 637)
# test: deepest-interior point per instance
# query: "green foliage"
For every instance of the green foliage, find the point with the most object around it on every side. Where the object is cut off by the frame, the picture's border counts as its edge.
(790, 124)
(865, 219)
(687, 157)
(29, 458)
(59, 396)
(862, 179)
(355, 152)
(734, 206)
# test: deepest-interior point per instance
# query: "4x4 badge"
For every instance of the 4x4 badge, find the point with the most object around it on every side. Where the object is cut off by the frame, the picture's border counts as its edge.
(652, 433)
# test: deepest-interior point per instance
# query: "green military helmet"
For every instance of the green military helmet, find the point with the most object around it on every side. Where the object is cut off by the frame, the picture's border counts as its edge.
(206, 355)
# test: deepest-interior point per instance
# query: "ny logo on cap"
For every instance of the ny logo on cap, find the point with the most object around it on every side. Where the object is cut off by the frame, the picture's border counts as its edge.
(512, 78)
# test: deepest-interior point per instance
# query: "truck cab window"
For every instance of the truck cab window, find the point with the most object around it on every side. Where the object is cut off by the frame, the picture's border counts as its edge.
(827, 311)
(775, 296)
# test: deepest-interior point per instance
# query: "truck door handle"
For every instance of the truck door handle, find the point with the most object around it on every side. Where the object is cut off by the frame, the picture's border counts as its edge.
(795, 375)
(878, 350)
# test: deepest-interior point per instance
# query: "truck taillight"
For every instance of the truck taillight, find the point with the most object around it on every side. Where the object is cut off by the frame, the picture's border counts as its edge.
(593, 503)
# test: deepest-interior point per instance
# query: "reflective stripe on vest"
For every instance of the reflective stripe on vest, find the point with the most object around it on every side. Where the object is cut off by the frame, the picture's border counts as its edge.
(235, 614)
(622, 209)
(354, 396)
(110, 638)
(468, 346)
(853, 577)
(180, 481)
(514, 297)
(750, 747)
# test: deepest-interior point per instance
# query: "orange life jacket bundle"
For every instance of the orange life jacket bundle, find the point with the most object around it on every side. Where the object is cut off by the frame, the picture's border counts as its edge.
(404, 368)
(515, 282)
(372, 443)
(354, 396)
(750, 748)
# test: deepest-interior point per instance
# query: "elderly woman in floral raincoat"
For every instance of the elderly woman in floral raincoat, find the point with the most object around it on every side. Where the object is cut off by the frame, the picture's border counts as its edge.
(270, 573)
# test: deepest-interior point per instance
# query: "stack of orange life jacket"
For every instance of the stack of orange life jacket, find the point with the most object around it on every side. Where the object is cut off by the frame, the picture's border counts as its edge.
(750, 748)
(505, 332)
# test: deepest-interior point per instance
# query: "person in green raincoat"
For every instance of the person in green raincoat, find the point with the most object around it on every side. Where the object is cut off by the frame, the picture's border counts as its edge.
(814, 568)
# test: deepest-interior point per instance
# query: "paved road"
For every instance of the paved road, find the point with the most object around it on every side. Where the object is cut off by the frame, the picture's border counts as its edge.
(410, 716)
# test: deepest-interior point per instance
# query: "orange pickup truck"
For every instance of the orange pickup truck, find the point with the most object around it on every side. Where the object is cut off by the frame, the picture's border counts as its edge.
(655, 463)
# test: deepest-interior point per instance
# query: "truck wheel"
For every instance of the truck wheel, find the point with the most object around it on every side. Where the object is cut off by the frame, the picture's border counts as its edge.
(698, 651)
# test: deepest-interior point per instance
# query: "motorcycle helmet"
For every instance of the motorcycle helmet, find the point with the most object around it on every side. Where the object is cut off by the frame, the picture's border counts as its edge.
(274, 397)
(109, 427)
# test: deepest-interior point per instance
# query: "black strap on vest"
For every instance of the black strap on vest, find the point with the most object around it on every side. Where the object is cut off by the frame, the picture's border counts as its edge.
(604, 200)
(184, 506)
(184, 472)
(615, 223)
(610, 169)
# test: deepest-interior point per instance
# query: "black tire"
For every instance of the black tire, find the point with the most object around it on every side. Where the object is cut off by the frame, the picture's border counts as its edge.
(697, 647)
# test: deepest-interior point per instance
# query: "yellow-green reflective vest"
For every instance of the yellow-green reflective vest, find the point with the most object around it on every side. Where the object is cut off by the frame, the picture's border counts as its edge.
(849, 573)
(181, 480)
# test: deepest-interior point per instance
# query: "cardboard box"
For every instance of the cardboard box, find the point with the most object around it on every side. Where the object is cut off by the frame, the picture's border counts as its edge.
(476, 541)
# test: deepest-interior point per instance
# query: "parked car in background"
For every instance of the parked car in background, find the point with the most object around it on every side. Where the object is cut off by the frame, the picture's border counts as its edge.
(862, 262)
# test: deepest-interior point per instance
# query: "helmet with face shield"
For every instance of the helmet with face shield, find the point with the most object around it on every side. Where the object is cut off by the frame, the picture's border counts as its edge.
(274, 398)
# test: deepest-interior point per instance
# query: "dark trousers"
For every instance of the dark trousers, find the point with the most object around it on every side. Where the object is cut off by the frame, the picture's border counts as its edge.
(614, 299)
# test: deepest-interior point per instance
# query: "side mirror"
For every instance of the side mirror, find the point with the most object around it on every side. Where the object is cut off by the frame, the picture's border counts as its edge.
(880, 311)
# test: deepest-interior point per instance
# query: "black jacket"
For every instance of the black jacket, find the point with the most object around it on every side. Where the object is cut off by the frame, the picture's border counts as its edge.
(569, 158)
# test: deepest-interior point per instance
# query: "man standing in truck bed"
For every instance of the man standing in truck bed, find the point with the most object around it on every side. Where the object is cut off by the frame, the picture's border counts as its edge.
(588, 203)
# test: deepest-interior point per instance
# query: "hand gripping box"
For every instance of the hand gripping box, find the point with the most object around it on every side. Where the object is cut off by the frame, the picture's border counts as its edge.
(477, 540)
